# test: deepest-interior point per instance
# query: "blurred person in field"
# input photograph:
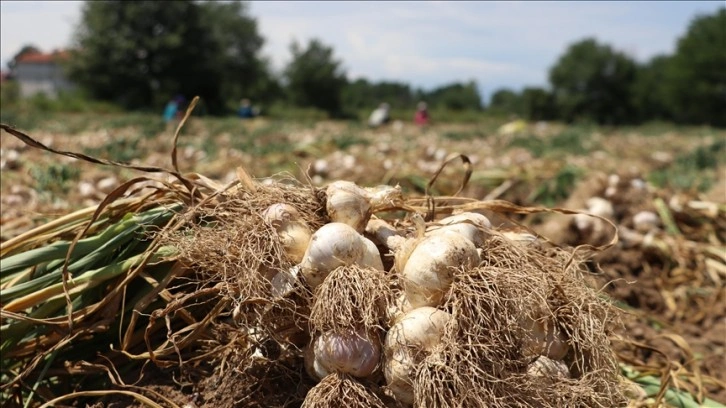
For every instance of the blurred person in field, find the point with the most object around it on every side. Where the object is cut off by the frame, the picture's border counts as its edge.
(170, 110)
(379, 116)
(246, 111)
(421, 117)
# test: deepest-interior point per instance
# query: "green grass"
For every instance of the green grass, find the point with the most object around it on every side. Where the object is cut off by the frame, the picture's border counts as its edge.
(56, 178)
(572, 141)
(694, 170)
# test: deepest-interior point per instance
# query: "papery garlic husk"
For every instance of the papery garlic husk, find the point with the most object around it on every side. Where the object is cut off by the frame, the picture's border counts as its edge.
(398, 309)
(348, 203)
(473, 226)
(548, 368)
(384, 197)
(399, 369)
(420, 328)
(429, 270)
(543, 337)
(293, 232)
(385, 234)
(333, 245)
(312, 366)
(353, 352)
(372, 256)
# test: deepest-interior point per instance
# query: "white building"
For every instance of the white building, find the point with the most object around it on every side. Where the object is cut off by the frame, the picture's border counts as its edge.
(41, 73)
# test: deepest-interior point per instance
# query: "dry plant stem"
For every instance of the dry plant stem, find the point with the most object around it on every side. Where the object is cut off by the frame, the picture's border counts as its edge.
(337, 390)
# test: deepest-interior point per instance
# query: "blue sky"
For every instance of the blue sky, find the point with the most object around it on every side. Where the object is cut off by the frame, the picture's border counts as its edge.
(499, 44)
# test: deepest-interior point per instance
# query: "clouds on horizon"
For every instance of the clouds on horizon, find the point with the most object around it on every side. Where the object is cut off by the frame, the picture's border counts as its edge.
(425, 44)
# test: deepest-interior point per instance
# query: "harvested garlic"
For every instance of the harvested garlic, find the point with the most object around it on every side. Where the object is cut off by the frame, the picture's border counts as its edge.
(418, 331)
(292, 230)
(429, 270)
(353, 353)
(333, 245)
(471, 225)
(348, 203)
(542, 337)
(548, 368)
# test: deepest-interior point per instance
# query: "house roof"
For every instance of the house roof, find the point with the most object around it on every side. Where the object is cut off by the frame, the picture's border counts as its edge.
(43, 58)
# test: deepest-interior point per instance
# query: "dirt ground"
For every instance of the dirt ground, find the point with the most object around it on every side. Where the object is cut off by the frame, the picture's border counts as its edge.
(671, 283)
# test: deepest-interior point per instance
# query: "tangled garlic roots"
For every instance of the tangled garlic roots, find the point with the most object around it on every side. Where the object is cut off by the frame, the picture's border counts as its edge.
(351, 297)
(337, 390)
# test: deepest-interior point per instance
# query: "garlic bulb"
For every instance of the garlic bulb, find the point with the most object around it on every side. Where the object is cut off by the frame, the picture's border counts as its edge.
(371, 257)
(418, 331)
(333, 245)
(429, 270)
(420, 328)
(398, 369)
(471, 225)
(354, 353)
(548, 368)
(291, 229)
(385, 234)
(312, 366)
(348, 203)
(645, 221)
(543, 337)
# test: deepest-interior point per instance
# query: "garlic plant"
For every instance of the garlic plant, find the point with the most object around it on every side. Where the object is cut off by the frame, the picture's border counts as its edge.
(355, 353)
(548, 368)
(291, 229)
(473, 226)
(542, 337)
(418, 331)
(428, 271)
(336, 244)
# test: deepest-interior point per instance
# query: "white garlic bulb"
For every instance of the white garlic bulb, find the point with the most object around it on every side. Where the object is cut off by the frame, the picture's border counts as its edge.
(645, 221)
(398, 369)
(372, 256)
(333, 245)
(348, 203)
(429, 270)
(353, 353)
(471, 225)
(543, 337)
(417, 332)
(385, 233)
(548, 368)
(312, 366)
(291, 229)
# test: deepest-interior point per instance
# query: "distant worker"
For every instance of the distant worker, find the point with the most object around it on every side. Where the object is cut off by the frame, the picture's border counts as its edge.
(379, 116)
(170, 110)
(421, 117)
(245, 110)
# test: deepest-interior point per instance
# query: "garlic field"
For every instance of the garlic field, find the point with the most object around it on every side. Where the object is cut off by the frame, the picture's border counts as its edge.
(298, 263)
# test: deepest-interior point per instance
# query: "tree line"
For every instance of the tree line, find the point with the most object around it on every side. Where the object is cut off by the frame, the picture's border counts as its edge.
(140, 54)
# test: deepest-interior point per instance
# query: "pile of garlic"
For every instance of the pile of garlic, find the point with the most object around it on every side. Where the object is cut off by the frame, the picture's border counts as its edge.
(424, 262)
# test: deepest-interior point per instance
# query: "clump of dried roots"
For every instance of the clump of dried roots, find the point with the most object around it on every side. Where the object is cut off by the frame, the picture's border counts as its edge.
(339, 390)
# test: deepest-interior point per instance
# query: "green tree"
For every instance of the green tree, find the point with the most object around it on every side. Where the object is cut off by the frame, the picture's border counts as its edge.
(506, 101)
(456, 96)
(362, 94)
(315, 78)
(649, 95)
(139, 54)
(592, 81)
(696, 77)
(537, 104)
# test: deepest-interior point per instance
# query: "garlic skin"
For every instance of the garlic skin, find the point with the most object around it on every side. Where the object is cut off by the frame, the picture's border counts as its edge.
(398, 309)
(429, 270)
(646, 221)
(385, 234)
(333, 245)
(420, 328)
(471, 225)
(548, 368)
(352, 353)
(371, 257)
(398, 369)
(312, 366)
(418, 331)
(542, 337)
(291, 229)
(349, 204)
